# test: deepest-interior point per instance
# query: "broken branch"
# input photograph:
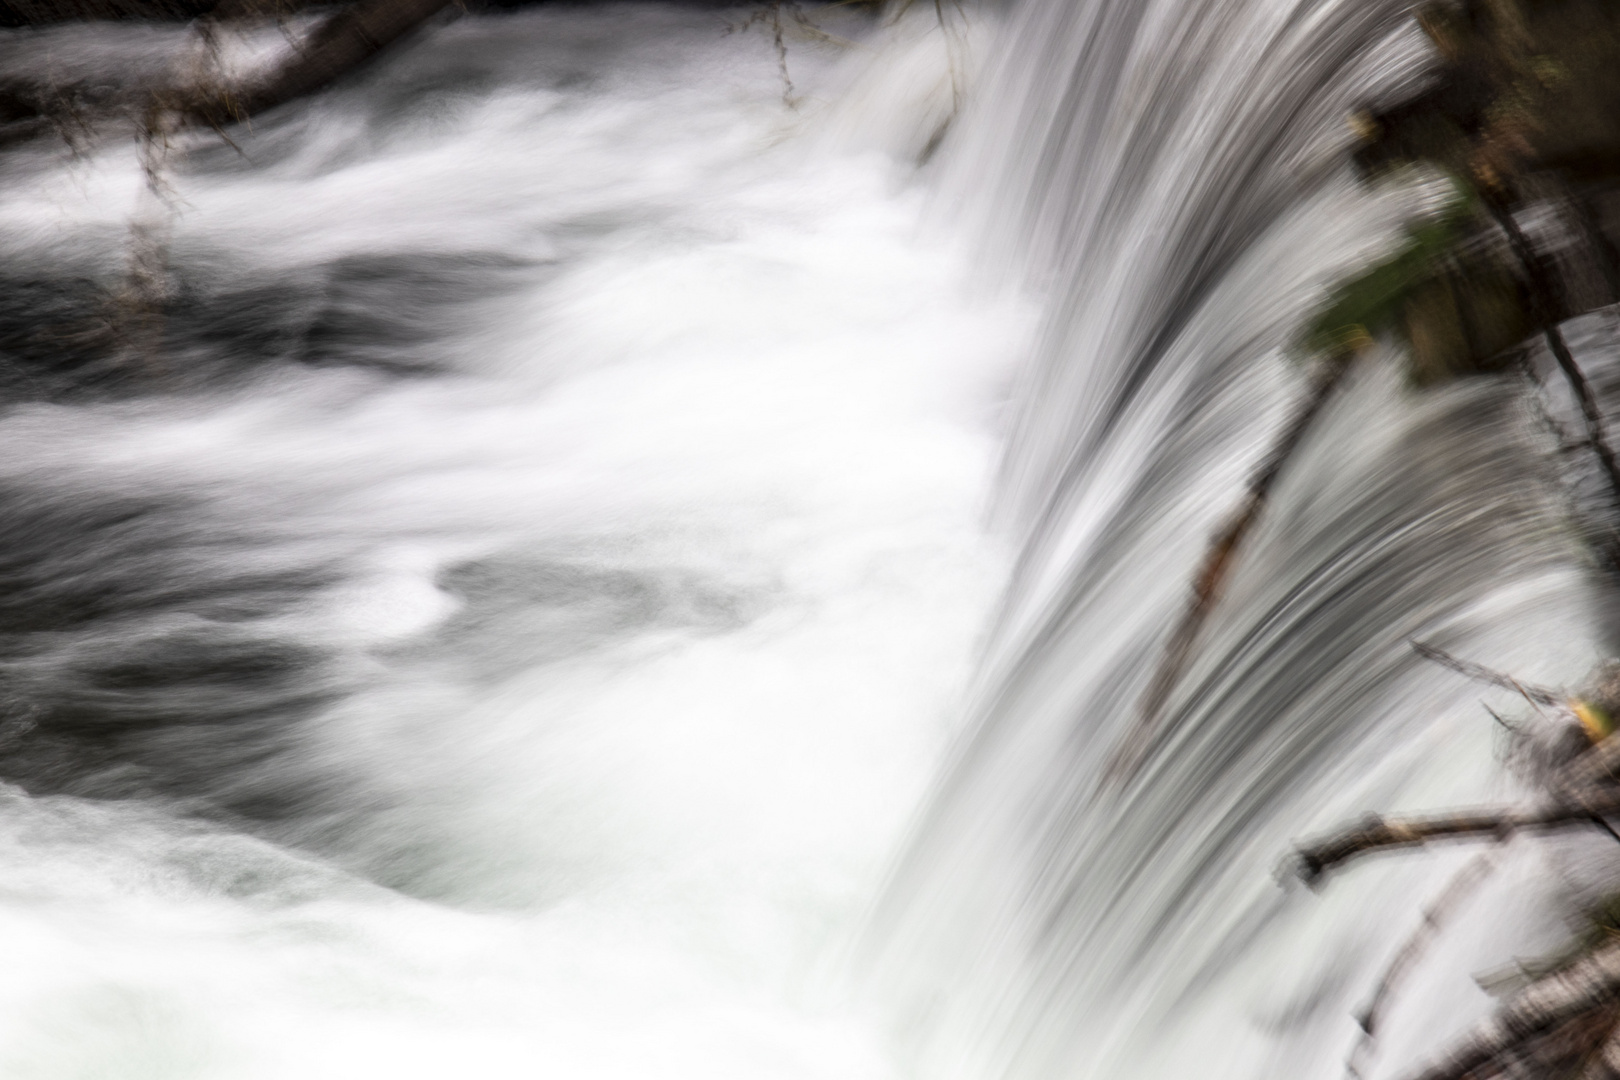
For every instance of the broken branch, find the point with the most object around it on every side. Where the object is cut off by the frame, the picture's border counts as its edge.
(1375, 833)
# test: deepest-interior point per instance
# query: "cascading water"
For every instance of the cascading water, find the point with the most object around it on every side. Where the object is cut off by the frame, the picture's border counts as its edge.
(1174, 172)
(501, 624)
(501, 627)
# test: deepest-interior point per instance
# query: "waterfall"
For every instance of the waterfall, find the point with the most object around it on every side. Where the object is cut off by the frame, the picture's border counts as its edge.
(494, 556)
(1172, 175)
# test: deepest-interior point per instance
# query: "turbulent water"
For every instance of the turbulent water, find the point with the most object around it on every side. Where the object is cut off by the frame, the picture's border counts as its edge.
(494, 557)
(499, 620)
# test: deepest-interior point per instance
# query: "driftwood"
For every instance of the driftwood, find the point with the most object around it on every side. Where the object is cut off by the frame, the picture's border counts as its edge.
(1562, 1023)
(195, 93)
(1562, 1051)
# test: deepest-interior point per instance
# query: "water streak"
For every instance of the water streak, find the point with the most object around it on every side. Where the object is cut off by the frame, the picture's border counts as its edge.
(1173, 171)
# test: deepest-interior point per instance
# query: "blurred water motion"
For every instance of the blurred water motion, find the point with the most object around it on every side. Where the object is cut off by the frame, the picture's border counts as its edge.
(498, 623)
(503, 614)
(1175, 171)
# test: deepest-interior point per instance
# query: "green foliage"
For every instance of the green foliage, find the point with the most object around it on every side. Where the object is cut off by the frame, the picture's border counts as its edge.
(1446, 293)
(1526, 99)
(1372, 302)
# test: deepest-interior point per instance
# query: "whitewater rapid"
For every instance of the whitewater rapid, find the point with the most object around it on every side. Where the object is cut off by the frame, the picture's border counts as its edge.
(503, 628)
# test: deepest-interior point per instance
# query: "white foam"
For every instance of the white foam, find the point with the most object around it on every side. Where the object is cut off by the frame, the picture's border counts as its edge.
(738, 375)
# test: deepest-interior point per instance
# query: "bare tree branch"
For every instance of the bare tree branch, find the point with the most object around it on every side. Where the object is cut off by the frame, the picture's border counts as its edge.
(1587, 984)
(1378, 834)
(1539, 695)
(1457, 892)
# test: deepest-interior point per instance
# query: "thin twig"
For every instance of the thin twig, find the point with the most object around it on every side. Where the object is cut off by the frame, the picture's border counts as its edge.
(1536, 695)
(1541, 293)
(1602, 823)
(1435, 917)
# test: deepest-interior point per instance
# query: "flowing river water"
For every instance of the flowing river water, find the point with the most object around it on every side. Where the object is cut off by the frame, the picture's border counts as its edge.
(503, 628)
(614, 565)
